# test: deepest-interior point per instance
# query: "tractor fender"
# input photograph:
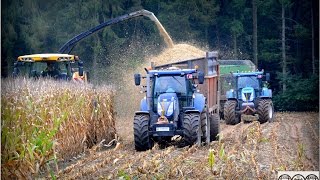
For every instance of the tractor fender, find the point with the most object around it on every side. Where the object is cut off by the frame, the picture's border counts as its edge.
(143, 104)
(192, 111)
(266, 93)
(141, 112)
(199, 101)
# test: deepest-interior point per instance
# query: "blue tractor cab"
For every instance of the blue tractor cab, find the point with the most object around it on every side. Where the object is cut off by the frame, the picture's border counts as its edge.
(249, 98)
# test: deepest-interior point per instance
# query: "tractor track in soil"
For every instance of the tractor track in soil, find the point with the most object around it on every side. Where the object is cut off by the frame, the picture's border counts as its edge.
(291, 142)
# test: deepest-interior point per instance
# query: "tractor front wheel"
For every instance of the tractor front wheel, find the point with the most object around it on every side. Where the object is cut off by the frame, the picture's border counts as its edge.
(265, 110)
(142, 140)
(190, 127)
(229, 113)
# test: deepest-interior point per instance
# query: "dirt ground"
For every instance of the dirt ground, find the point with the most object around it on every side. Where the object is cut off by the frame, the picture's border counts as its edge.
(246, 151)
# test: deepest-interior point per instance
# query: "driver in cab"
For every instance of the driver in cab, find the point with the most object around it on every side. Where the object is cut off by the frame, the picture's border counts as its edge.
(51, 71)
(165, 86)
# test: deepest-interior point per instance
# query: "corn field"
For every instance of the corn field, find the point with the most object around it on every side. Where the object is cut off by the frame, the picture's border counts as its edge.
(46, 121)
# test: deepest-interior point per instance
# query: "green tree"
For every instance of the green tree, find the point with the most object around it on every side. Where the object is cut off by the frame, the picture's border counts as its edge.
(35, 26)
(254, 31)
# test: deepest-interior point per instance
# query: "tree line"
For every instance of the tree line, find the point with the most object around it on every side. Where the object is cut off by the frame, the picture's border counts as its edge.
(279, 36)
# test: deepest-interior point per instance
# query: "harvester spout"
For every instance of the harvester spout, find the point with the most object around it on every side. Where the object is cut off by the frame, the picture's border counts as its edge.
(68, 46)
(162, 30)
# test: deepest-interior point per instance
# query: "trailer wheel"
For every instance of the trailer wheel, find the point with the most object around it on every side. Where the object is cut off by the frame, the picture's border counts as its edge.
(142, 140)
(190, 127)
(265, 110)
(221, 110)
(230, 115)
(214, 126)
(203, 125)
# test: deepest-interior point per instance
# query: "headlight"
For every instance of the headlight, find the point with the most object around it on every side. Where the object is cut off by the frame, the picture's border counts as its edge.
(27, 59)
(64, 58)
(170, 109)
(159, 109)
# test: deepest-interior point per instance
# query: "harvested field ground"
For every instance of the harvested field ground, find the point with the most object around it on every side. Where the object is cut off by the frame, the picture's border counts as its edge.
(250, 150)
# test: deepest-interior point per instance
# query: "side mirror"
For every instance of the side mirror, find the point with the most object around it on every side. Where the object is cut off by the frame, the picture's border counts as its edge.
(200, 77)
(267, 76)
(137, 79)
(80, 64)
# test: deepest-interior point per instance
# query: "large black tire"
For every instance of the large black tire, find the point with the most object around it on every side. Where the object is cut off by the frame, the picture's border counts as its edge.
(142, 140)
(265, 110)
(190, 127)
(221, 110)
(214, 126)
(203, 125)
(229, 112)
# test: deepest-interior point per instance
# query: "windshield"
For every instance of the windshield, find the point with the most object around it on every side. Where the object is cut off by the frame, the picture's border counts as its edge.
(26, 68)
(41, 66)
(248, 81)
(175, 84)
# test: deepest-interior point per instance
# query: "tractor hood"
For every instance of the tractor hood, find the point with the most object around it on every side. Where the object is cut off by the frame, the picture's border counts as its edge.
(167, 104)
(247, 94)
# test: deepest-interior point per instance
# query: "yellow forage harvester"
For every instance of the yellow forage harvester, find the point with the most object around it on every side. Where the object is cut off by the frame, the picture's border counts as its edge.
(56, 66)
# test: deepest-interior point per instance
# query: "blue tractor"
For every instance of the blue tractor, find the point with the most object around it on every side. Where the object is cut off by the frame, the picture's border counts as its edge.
(250, 100)
(173, 105)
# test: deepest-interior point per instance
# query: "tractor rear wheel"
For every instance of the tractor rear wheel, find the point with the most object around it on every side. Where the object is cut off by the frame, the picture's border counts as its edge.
(265, 110)
(142, 140)
(214, 126)
(229, 113)
(190, 127)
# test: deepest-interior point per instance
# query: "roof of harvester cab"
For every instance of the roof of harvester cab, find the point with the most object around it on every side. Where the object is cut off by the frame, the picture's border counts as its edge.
(47, 57)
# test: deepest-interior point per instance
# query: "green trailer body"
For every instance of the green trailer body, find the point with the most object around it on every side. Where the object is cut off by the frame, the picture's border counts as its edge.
(227, 66)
